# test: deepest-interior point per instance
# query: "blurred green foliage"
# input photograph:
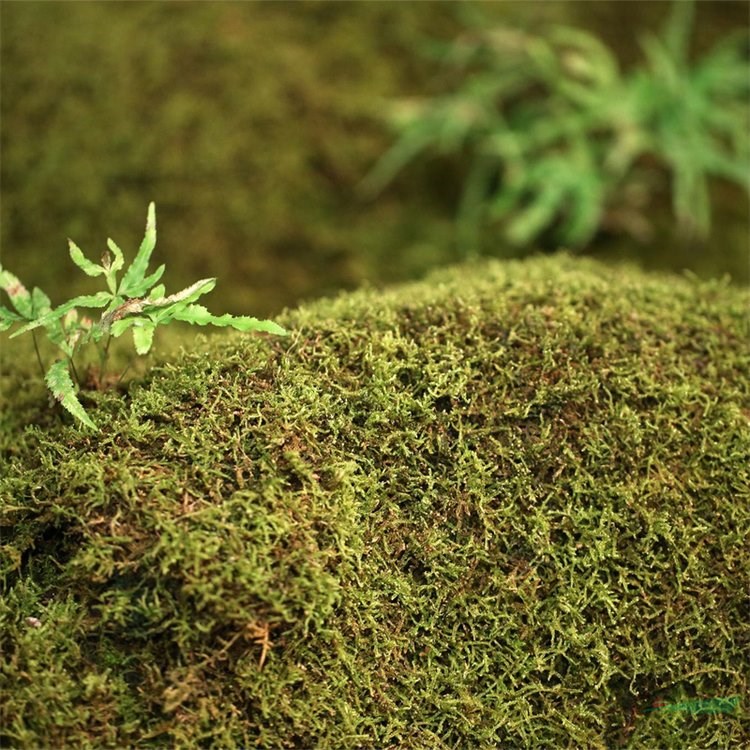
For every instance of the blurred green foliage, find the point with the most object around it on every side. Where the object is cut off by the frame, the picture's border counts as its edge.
(560, 141)
(251, 124)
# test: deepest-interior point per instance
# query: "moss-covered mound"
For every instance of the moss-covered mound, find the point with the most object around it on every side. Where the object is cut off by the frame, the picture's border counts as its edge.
(508, 507)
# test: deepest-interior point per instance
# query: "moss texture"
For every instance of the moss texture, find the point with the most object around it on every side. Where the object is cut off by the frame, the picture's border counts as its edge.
(508, 507)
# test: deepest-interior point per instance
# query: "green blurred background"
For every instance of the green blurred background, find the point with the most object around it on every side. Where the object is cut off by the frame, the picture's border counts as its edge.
(251, 126)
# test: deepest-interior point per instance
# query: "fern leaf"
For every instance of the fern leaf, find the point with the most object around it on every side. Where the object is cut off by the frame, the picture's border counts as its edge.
(140, 289)
(119, 260)
(8, 318)
(199, 315)
(41, 302)
(143, 337)
(101, 299)
(77, 256)
(18, 293)
(135, 274)
(187, 295)
(60, 383)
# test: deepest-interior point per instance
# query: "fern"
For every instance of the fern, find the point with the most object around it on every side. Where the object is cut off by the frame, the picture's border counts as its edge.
(63, 389)
(134, 302)
(557, 137)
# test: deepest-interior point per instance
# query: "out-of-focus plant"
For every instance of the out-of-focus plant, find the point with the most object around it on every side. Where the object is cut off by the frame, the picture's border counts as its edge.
(560, 141)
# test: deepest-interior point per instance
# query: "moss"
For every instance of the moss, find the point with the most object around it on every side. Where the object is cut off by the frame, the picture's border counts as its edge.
(505, 507)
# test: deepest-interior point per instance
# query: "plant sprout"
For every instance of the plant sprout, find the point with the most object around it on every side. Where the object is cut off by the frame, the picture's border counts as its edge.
(135, 302)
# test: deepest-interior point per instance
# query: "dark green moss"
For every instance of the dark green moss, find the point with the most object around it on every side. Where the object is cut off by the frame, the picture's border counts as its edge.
(507, 507)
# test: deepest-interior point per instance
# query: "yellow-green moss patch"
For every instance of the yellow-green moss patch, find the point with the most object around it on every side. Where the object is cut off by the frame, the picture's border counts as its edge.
(505, 507)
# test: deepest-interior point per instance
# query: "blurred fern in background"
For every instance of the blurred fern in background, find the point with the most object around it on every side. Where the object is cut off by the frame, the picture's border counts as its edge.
(561, 142)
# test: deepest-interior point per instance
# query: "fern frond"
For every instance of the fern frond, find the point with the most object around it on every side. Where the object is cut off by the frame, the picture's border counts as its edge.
(63, 389)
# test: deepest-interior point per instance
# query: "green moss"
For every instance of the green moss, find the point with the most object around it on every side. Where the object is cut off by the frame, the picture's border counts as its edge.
(506, 507)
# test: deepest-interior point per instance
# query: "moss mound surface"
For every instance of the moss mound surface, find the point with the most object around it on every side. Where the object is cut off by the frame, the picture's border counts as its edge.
(505, 507)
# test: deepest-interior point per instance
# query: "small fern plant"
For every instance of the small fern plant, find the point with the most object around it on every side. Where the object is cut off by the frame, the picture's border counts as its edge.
(135, 302)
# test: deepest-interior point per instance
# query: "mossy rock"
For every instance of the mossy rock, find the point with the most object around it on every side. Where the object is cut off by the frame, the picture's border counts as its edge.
(507, 507)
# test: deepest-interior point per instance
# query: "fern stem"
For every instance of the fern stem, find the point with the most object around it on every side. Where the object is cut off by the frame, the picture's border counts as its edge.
(122, 374)
(75, 372)
(38, 355)
(103, 357)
